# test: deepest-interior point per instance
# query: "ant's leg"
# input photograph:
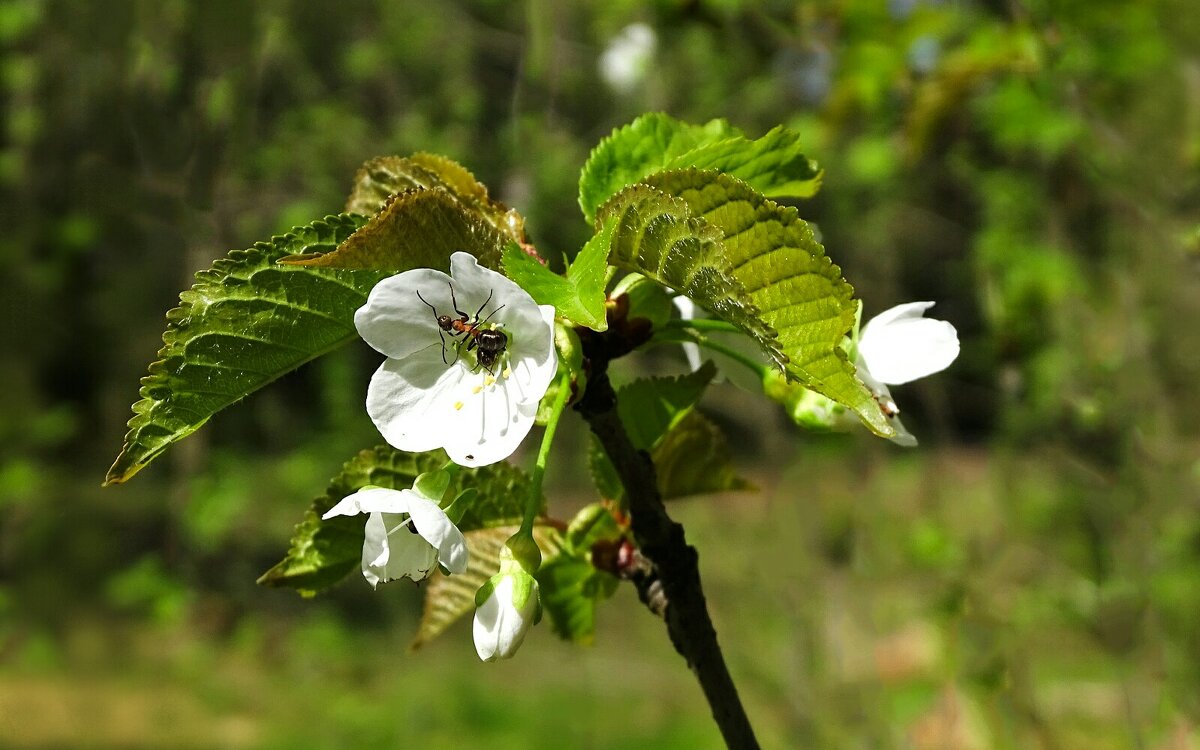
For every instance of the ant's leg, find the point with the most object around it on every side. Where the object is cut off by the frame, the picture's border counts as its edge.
(489, 317)
(485, 304)
(441, 333)
(461, 315)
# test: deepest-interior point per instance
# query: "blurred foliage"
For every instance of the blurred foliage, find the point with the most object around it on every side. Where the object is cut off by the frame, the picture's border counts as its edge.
(1032, 166)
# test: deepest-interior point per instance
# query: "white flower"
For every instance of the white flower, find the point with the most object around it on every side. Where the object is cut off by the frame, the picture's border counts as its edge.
(470, 355)
(509, 609)
(627, 58)
(407, 534)
(898, 346)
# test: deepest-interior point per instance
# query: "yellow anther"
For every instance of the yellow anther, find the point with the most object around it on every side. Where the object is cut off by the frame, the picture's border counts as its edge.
(477, 389)
(458, 405)
(489, 380)
(508, 372)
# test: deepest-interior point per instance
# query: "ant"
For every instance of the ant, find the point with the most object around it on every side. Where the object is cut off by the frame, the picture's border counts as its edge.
(489, 344)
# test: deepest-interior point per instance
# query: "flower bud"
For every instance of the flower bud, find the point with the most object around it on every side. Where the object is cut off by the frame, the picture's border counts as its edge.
(510, 606)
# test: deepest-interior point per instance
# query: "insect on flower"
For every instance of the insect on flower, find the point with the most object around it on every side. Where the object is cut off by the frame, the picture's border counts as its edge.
(489, 343)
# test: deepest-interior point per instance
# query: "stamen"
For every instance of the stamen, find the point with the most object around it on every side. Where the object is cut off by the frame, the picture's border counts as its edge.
(458, 405)
(477, 389)
(507, 372)
(489, 380)
(401, 525)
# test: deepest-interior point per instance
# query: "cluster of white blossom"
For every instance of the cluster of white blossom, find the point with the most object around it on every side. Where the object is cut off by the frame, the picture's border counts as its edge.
(469, 357)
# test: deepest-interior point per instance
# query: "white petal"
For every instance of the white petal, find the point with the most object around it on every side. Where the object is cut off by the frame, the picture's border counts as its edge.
(899, 346)
(375, 548)
(530, 327)
(432, 523)
(687, 311)
(490, 425)
(370, 500)
(395, 321)
(409, 555)
(410, 399)
(485, 628)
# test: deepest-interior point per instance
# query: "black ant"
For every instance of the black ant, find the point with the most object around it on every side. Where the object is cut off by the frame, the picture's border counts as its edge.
(488, 343)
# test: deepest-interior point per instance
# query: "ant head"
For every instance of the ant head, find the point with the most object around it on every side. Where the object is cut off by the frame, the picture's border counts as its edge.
(445, 322)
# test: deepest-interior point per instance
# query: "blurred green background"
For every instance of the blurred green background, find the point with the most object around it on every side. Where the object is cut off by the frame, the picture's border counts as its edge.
(1028, 578)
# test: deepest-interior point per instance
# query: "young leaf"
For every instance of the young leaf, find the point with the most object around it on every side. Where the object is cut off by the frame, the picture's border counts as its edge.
(649, 408)
(798, 292)
(694, 459)
(323, 551)
(644, 146)
(415, 229)
(774, 165)
(578, 296)
(447, 598)
(384, 176)
(246, 321)
(571, 586)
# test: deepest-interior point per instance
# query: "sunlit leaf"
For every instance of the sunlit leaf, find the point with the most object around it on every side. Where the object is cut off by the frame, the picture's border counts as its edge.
(324, 551)
(385, 176)
(415, 229)
(765, 272)
(246, 321)
(579, 295)
(774, 165)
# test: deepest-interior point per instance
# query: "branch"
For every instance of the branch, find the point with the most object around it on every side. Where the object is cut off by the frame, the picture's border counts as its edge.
(661, 541)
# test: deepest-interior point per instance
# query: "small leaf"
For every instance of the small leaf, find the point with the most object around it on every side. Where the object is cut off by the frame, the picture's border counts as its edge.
(774, 165)
(694, 459)
(571, 588)
(579, 296)
(646, 145)
(246, 321)
(323, 551)
(447, 598)
(415, 229)
(385, 176)
(650, 407)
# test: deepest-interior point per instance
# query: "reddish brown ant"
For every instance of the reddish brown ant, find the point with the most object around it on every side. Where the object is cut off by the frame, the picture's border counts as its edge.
(488, 343)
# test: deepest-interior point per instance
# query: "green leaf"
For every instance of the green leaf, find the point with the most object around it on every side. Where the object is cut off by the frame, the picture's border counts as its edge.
(323, 551)
(694, 459)
(447, 598)
(415, 229)
(799, 292)
(578, 296)
(385, 176)
(774, 165)
(649, 408)
(644, 146)
(571, 586)
(246, 321)
(751, 262)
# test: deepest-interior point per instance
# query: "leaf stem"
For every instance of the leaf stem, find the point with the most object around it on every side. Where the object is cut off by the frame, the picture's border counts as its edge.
(534, 502)
(702, 324)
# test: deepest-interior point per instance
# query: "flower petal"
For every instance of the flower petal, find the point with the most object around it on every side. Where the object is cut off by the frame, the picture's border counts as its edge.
(375, 548)
(409, 554)
(370, 500)
(490, 425)
(395, 321)
(431, 522)
(410, 399)
(899, 346)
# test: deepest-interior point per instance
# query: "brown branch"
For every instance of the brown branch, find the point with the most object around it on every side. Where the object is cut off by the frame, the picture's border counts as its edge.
(661, 541)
